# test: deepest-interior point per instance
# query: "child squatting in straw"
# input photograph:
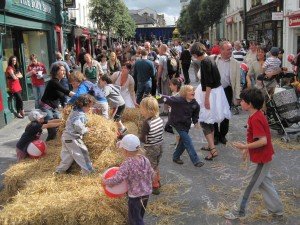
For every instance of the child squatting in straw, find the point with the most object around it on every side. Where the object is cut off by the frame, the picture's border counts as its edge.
(73, 147)
(152, 136)
(33, 131)
(259, 148)
(137, 171)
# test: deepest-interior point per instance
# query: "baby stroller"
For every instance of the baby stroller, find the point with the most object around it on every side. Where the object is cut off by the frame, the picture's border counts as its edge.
(283, 109)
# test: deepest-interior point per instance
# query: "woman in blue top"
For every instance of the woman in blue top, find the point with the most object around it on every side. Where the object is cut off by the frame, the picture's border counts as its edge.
(83, 86)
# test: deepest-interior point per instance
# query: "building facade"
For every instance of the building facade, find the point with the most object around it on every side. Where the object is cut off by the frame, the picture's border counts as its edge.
(291, 24)
(234, 23)
(147, 18)
(261, 26)
(27, 27)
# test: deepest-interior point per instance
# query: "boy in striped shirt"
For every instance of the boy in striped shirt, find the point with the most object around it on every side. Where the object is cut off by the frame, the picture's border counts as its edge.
(152, 136)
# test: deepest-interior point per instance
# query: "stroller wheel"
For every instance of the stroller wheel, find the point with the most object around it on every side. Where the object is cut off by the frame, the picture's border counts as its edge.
(285, 139)
(280, 132)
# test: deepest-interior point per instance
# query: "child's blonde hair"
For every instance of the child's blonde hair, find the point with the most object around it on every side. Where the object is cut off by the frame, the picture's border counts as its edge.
(150, 104)
(77, 77)
(184, 89)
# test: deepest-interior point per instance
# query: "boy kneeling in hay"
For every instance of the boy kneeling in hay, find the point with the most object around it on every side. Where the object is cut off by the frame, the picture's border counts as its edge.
(73, 147)
(33, 131)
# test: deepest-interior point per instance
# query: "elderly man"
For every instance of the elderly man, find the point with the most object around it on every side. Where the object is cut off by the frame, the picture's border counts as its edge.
(229, 69)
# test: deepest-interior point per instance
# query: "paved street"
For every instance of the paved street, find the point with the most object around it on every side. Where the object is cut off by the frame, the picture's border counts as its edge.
(201, 194)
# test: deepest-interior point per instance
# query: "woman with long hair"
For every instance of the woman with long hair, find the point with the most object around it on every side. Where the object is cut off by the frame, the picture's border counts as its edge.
(53, 93)
(114, 64)
(126, 82)
(13, 76)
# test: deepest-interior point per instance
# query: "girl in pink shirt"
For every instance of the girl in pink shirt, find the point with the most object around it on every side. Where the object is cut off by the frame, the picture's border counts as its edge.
(137, 171)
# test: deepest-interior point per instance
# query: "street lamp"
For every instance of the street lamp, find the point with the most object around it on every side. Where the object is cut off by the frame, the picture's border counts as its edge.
(245, 19)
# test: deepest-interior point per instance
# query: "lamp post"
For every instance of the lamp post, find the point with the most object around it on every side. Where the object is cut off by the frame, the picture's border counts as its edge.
(245, 19)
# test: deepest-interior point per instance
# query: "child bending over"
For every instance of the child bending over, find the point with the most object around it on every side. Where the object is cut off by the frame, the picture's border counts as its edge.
(137, 171)
(259, 148)
(73, 147)
(152, 136)
(33, 131)
(115, 100)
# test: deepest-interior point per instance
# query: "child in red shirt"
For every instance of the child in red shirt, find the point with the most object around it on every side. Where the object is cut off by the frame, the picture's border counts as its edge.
(259, 148)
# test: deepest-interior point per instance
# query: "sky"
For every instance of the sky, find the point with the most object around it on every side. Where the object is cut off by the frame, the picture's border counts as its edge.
(171, 8)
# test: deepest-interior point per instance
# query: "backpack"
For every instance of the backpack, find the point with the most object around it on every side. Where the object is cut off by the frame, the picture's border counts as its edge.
(94, 90)
(91, 73)
(172, 66)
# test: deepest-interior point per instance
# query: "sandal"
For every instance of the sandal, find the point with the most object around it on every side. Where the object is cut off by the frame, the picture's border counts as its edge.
(213, 153)
(205, 149)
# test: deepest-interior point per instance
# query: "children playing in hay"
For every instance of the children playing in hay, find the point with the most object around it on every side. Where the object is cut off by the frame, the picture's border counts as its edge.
(33, 131)
(73, 147)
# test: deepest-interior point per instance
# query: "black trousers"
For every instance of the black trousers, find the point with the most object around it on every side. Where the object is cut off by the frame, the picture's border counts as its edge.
(136, 210)
(19, 101)
(154, 86)
(224, 125)
(185, 70)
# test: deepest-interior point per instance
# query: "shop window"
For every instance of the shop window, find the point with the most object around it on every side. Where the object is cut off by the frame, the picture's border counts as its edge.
(35, 42)
(7, 46)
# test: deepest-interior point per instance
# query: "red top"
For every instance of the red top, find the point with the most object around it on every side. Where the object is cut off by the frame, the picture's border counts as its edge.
(37, 67)
(258, 127)
(14, 86)
(216, 50)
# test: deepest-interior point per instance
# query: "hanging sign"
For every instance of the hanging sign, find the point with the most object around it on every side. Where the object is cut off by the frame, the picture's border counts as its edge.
(294, 21)
(70, 4)
(277, 15)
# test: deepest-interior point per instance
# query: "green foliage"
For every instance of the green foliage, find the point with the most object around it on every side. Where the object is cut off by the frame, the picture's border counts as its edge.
(125, 24)
(112, 15)
(199, 15)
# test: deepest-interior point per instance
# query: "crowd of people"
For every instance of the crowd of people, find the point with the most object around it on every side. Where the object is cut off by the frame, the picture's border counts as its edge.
(155, 78)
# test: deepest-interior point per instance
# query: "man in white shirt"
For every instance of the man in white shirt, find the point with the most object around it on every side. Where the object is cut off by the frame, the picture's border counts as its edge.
(229, 69)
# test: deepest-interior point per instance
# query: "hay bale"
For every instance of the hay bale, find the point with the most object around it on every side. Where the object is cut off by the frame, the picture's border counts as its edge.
(66, 200)
(133, 115)
(132, 128)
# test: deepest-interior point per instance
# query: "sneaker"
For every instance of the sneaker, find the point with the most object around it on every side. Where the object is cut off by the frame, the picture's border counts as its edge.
(235, 110)
(233, 215)
(123, 131)
(199, 164)
(178, 161)
(266, 212)
(156, 191)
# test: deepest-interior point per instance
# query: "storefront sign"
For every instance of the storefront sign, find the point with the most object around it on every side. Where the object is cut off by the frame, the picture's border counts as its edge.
(70, 4)
(294, 21)
(35, 4)
(277, 15)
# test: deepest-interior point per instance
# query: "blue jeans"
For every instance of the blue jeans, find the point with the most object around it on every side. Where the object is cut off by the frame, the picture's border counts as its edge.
(136, 209)
(185, 142)
(38, 92)
(143, 88)
(51, 114)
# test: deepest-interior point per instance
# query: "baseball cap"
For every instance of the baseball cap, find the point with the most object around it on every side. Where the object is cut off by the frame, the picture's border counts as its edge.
(36, 114)
(129, 142)
(274, 51)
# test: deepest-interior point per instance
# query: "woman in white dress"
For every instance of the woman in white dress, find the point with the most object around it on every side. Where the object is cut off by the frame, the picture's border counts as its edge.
(211, 97)
(126, 82)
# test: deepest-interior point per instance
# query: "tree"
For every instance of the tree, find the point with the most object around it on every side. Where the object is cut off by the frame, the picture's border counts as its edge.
(125, 24)
(211, 11)
(111, 16)
(200, 15)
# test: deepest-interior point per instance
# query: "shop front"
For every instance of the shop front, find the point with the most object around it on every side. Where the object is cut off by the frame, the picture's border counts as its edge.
(82, 39)
(27, 27)
(292, 41)
(260, 26)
